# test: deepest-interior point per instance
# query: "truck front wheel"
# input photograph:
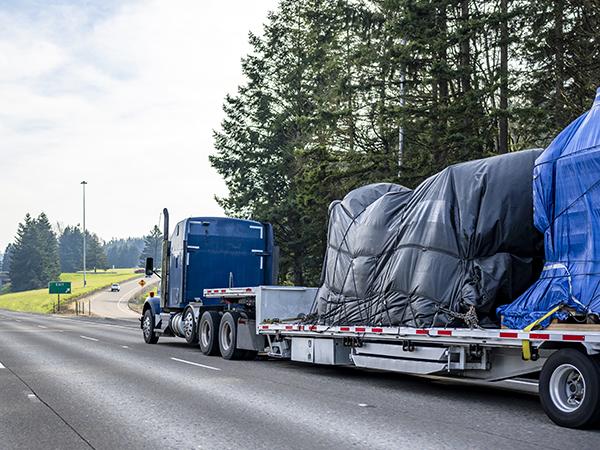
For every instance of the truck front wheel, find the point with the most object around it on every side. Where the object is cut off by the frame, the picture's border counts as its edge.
(150, 337)
(189, 327)
(209, 333)
(570, 389)
(228, 336)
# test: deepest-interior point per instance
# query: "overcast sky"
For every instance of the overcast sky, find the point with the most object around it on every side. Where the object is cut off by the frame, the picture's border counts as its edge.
(122, 94)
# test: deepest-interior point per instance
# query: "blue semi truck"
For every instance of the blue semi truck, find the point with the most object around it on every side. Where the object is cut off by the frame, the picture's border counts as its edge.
(203, 252)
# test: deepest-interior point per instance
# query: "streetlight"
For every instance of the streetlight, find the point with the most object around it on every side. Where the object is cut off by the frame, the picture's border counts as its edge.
(84, 183)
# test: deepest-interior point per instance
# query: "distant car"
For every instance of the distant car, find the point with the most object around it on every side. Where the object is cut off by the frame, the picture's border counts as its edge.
(139, 271)
(115, 287)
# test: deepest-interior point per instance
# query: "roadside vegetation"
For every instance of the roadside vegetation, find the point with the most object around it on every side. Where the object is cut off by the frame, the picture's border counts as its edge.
(340, 94)
(40, 301)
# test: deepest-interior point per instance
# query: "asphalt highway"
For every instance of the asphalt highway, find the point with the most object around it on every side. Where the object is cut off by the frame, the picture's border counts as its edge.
(80, 383)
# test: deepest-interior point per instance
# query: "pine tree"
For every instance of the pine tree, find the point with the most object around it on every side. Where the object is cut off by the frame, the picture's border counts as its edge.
(265, 125)
(95, 257)
(123, 253)
(7, 258)
(34, 256)
(152, 247)
(70, 249)
(49, 262)
(561, 54)
(332, 83)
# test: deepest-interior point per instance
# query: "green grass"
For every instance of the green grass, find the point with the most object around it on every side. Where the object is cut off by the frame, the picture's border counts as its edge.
(40, 301)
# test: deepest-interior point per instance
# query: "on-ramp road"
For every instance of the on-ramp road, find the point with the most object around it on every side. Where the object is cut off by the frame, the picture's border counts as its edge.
(114, 304)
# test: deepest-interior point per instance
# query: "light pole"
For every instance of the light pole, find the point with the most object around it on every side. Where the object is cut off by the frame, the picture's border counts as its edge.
(84, 183)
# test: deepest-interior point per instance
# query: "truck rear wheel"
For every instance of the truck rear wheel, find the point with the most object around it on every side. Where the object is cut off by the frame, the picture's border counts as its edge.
(228, 336)
(150, 337)
(208, 333)
(570, 389)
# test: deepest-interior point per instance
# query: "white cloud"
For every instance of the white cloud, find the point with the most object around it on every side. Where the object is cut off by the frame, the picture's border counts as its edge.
(126, 100)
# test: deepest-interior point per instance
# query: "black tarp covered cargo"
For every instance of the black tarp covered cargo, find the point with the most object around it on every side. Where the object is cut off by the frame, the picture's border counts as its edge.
(464, 237)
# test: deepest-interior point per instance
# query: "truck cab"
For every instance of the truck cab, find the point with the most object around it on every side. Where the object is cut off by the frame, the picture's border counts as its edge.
(207, 252)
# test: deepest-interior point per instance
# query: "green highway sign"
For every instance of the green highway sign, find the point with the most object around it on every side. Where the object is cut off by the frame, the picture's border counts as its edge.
(59, 287)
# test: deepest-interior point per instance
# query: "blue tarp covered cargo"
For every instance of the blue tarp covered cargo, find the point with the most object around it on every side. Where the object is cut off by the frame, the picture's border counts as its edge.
(566, 200)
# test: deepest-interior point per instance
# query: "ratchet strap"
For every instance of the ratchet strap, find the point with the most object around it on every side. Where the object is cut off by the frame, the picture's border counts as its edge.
(528, 328)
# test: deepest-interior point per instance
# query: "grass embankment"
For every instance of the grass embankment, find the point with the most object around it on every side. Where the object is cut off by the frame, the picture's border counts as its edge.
(40, 301)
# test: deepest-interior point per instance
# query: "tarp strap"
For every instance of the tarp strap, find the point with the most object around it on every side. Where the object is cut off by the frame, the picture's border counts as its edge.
(562, 266)
(526, 343)
(531, 326)
(526, 350)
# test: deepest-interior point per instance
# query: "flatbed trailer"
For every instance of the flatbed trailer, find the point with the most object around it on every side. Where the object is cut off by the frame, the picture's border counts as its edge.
(565, 355)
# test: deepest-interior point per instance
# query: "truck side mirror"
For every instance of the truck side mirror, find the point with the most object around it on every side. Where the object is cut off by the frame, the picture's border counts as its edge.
(149, 266)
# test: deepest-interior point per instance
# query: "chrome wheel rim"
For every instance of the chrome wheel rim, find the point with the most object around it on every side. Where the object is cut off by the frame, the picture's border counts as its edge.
(567, 388)
(226, 336)
(188, 324)
(146, 325)
(205, 332)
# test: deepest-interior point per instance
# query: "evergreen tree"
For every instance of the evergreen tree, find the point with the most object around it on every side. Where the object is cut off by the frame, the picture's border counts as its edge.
(152, 248)
(263, 128)
(333, 84)
(70, 249)
(50, 264)
(7, 258)
(123, 253)
(95, 258)
(34, 256)
(561, 48)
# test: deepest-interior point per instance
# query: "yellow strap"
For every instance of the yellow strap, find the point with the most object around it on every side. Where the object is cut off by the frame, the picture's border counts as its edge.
(526, 350)
(528, 328)
(531, 326)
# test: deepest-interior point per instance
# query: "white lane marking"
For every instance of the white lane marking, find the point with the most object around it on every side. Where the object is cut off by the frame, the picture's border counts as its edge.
(124, 346)
(195, 364)
(42, 326)
(91, 339)
(1, 366)
(530, 383)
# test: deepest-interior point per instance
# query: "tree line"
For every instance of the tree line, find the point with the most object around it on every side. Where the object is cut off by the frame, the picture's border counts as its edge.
(40, 254)
(343, 93)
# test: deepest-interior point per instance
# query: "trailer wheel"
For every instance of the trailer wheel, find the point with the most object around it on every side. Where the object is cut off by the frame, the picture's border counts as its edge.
(208, 332)
(228, 336)
(189, 327)
(570, 389)
(150, 337)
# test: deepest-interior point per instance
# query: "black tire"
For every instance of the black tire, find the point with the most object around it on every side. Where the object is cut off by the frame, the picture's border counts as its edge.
(570, 389)
(150, 337)
(208, 333)
(228, 336)
(189, 326)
